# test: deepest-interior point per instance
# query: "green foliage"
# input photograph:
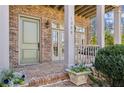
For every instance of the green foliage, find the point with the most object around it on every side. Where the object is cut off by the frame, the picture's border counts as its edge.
(94, 39)
(18, 81)
(9, 78)
(6, 74)
(109, 39)
(110, 61)
(122, 38)
(79, 68)
(95, 80)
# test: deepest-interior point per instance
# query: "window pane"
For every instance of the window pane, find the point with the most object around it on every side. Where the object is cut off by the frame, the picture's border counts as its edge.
(62, 27)
(54, 25)
(80, 29)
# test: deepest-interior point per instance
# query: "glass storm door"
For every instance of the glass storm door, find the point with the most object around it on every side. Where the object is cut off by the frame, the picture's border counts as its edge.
(61, 45)
(29, 40)
(57, 45)
(55, 48)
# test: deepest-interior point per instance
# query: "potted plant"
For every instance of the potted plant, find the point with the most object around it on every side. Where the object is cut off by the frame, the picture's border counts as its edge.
(8, 78)
(78, 74)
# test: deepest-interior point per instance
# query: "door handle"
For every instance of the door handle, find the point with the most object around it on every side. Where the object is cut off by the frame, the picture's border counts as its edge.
(38, 46)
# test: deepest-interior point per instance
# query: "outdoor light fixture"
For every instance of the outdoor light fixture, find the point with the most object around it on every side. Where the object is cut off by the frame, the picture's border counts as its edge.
(47, 24)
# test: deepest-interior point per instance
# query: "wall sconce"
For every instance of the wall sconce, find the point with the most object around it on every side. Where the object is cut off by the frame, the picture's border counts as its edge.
(47, 24)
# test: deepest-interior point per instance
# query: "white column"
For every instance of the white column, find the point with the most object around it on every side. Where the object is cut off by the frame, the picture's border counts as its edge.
(100, 25)
(69, 35)
(4, 37)
(117, 25)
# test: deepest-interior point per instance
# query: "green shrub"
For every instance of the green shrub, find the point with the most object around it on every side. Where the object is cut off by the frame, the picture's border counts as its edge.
(110, 61)
(96, 81)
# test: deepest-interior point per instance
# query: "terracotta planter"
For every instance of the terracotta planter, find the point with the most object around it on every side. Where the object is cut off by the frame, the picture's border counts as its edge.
(78, 78)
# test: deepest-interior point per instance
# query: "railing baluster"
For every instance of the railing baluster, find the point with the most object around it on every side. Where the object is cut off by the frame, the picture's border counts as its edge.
(78, 54)
(86, 54)
(82, 54)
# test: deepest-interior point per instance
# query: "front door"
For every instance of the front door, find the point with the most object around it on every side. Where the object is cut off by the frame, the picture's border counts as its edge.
(29, 40)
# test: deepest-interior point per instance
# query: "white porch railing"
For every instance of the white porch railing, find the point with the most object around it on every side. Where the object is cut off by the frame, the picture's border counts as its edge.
(86, 54)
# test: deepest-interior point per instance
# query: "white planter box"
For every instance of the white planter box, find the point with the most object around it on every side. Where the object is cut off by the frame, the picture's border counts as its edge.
(78, 78)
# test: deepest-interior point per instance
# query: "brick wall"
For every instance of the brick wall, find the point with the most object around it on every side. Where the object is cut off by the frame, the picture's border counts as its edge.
(45, 14)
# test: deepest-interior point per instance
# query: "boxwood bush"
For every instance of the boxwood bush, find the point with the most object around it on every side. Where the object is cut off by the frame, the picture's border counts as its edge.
(110, 61)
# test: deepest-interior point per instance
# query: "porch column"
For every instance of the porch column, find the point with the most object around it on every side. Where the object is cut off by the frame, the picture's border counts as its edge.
(100, 25)
(117, 25)
(69, 35)
(4, 37)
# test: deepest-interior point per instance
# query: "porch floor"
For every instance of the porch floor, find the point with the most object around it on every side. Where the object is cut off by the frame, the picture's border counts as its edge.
(67, 83)
(48, 74)
(36, 71)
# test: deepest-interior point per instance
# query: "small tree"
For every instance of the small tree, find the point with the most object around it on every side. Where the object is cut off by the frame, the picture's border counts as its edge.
(109, 39)
(122, 38)
(94, 39)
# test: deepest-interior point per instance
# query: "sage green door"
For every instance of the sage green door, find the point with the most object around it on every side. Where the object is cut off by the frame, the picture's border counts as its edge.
(29, 40)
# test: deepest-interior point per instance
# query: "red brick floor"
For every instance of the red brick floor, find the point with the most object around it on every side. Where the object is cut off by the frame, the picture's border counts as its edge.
(51, 74)
(44, 73)
(66, 84)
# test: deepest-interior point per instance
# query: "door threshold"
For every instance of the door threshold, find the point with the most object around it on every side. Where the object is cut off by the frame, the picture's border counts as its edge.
(20, 65)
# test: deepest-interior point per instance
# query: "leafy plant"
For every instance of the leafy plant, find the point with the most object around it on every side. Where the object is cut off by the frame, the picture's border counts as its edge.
(110, 61)
(122, 39)
(79, 68)
(95, 80)
(109, 39)
(9, 78)
(93, 39)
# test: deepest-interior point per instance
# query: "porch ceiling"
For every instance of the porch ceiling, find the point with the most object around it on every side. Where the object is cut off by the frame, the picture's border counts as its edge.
(84, 10)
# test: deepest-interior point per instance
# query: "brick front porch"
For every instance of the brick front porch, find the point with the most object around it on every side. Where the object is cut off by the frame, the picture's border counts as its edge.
(67, 83)
(44, 73)
(50, 74)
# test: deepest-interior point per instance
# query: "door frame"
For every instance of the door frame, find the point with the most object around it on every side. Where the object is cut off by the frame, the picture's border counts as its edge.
(19, 27)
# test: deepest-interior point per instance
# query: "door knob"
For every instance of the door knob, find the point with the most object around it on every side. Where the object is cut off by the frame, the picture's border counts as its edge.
(38, 46)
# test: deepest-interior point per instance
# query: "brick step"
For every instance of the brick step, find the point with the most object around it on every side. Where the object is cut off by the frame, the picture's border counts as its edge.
(48, 79)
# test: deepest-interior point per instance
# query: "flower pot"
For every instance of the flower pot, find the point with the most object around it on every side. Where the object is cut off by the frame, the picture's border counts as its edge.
(78, 78)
